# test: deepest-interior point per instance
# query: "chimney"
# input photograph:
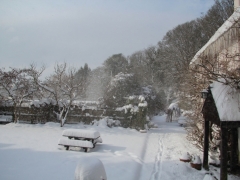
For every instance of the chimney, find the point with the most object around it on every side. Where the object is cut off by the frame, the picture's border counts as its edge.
(236, 4)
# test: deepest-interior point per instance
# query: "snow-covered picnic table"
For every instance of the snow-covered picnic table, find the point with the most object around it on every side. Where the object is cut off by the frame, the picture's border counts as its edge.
(85, 139)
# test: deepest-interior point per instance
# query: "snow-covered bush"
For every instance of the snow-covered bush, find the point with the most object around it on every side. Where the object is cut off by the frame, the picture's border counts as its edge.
(121, 86)
(155, 100)
(124, 91)
(186, 157)
(135, 112)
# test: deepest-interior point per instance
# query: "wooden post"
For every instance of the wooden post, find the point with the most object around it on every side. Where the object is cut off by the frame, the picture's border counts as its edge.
(224, 147)
(206, 145)
(239, 144)
(234, 149)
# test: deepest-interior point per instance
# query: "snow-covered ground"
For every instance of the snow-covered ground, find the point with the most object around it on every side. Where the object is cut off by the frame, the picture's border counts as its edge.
(31, 152)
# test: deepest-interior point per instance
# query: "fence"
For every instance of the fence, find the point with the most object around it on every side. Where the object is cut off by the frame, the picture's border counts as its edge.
(45, 114)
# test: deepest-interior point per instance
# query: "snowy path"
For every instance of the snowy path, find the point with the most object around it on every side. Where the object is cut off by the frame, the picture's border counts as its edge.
(166, 144)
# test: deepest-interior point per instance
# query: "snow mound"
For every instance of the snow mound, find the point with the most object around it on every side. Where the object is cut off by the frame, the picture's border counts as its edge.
(197, 160)
(90, 168)
(51, 124)
(101, 122)
(106, 122)
(186, 156)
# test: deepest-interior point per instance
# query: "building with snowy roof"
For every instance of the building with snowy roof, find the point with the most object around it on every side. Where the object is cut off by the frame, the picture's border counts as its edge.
(220, 56)
(219, 59)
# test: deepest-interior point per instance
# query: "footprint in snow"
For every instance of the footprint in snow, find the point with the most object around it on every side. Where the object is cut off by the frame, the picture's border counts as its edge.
(117, 153)
(135, 157)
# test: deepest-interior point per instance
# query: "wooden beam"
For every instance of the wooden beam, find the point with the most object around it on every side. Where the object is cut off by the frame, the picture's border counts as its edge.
(223, 152)
(230, 124)
(206, 145)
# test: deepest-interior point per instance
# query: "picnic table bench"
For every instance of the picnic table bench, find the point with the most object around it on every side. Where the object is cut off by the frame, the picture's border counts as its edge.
(85, 139)
(86, 145)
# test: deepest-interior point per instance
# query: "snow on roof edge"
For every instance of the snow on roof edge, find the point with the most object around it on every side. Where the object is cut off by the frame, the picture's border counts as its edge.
(227, 101)
(223, 29)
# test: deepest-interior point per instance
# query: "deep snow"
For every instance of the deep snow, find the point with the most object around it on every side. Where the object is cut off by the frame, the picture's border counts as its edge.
(31, 152)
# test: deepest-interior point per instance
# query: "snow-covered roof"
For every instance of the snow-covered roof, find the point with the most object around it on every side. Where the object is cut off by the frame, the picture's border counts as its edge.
(219, 41)
(227, 100)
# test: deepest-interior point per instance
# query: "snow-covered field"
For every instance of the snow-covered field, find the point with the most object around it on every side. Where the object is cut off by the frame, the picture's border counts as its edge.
(31, 152)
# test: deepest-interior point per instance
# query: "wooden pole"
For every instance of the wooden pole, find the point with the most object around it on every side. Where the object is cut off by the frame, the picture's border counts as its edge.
(223, 149)
(238, 144)
(206, 145)
(234, 149)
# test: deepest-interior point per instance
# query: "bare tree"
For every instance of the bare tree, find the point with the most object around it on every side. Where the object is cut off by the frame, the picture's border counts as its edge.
(64, 88)
(17, 85)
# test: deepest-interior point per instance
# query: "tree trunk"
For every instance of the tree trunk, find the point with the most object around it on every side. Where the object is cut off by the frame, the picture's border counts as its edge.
(15, 113)
(63, 120)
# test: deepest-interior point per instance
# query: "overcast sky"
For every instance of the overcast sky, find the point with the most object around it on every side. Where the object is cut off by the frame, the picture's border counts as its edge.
(86, 31)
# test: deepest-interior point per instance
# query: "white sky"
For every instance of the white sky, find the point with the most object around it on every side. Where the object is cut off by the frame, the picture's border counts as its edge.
(86, 31)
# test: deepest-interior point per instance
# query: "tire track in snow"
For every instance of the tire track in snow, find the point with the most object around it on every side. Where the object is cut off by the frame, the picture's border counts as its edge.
(143, 152)
(157, 170)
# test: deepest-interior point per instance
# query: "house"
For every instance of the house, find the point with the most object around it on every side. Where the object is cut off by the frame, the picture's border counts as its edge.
(220, 59)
